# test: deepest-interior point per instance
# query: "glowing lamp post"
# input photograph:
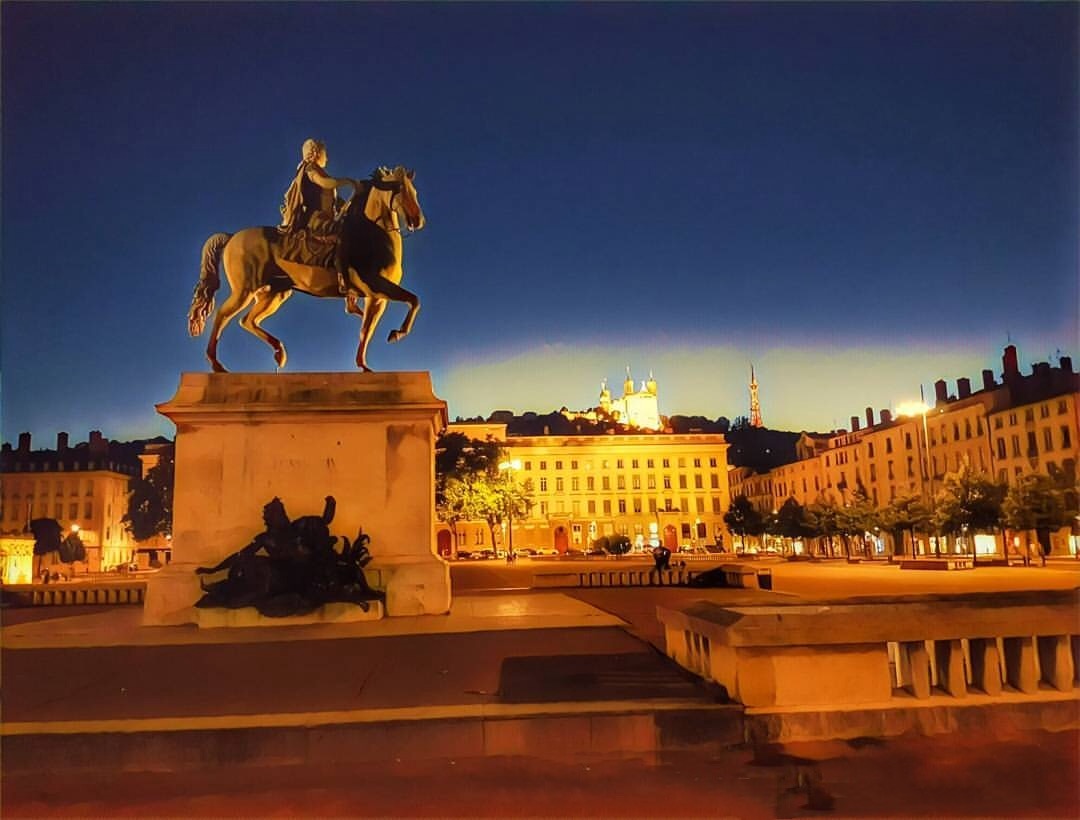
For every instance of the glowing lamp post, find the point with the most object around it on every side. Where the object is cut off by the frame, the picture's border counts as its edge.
(510, 466)
(912, 409)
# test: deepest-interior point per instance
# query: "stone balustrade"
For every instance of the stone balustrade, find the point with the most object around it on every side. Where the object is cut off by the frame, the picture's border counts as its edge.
(881, 651)
(630, 577)
(75, 594)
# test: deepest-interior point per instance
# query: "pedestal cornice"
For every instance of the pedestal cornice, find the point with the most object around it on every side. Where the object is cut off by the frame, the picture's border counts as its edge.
(284, 395)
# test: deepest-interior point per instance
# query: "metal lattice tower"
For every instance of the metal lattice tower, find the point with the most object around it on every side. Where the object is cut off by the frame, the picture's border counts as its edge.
(755, 405)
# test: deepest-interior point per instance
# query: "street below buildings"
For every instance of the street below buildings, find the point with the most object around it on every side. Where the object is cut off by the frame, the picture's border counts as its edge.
(830, 579)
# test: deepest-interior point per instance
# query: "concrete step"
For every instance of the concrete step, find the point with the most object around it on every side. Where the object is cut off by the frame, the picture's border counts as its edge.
(554, 731)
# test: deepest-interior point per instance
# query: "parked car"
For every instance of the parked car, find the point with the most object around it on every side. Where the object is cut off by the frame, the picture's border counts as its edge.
(483, 555)
(547, 551)
(464, 555)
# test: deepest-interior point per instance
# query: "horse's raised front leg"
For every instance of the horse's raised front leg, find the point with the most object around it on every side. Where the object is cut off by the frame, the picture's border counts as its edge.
(229, 308)
(266, 305)
(410, 319)
(379, 287)
(373, 311)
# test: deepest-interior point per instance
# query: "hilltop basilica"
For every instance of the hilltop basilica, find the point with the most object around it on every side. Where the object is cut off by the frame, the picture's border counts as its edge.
(639, 409)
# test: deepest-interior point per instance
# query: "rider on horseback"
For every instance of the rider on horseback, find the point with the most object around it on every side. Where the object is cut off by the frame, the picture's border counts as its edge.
(311, 202)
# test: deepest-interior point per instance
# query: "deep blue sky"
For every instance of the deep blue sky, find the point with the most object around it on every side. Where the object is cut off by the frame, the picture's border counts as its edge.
(859, 198)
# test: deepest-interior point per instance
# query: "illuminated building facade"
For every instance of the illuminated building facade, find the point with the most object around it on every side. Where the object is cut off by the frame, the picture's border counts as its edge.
(1019, 426)
(85, 486)
(655, 489)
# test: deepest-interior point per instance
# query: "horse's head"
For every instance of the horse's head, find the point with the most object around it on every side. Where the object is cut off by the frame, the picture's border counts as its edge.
(404, 198)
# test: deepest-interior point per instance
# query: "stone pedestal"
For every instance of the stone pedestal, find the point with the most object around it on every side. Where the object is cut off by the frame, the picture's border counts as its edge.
(368, 439)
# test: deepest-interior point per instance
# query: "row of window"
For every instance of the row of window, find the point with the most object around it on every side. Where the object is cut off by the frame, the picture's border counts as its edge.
(1032, 449)
(699, 529)
(1029, 413)
(43, 489)
(944, 429)
(635, 483)
(14, 511)
(59, 467)
(624, 506)
(620, 463)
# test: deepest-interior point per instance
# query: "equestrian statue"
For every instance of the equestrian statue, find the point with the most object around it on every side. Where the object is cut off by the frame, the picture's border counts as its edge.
(324, 247)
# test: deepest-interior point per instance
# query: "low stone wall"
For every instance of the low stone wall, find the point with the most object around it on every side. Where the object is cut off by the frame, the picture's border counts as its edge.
(63, 594)
(883, 655)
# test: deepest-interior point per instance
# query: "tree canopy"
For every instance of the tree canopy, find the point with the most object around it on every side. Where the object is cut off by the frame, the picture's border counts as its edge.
(149, 510)
(968, 500)
(469, 486)
(743, 519)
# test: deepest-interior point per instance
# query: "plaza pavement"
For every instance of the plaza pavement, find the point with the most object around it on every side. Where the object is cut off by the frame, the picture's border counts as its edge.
(544, 659)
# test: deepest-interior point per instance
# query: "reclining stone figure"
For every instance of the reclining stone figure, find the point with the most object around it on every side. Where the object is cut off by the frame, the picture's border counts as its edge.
(292, 567)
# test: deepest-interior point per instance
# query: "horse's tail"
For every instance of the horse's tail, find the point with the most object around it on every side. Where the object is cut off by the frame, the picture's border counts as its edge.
(202, 302)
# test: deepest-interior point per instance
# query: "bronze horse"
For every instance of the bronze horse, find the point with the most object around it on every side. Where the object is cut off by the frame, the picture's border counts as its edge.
(370, 249)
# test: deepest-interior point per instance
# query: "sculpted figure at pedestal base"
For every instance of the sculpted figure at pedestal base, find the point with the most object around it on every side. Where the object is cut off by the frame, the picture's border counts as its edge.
(292, 568)
(262, 275)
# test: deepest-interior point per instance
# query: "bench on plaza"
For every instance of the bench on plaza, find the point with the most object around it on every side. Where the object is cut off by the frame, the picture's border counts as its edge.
(737, 575)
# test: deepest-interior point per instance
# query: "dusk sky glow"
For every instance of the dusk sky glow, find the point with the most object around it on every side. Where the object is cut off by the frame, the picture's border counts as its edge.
(858, 198)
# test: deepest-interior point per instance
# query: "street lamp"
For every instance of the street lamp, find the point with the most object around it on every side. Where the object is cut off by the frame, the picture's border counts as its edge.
(921, 408)
(510, 466)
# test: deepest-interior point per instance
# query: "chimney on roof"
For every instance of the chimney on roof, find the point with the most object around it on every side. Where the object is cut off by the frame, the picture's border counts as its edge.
(854, 424)
(98, 445)
(1066, 364)
(963, 387)
(886, 416)
(24, 443)
(988, 380)
(869, 416)
(61, 443)
(941, 391)
(1010, 367)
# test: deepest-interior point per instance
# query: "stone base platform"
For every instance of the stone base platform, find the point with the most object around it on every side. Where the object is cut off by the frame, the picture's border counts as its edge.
(337, 613)
(365, 439)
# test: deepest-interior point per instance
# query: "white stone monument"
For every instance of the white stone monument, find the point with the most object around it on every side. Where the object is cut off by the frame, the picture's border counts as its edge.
(368, 439)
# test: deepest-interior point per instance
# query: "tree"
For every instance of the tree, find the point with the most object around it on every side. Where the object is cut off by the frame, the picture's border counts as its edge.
(463, 468)
(454, 505)
(149, 510)
(969, 501)
(613, 544)
(469, 486)
(905, 513)
(1037, 502)
(856, 518)
(743, 519)
(823, 520)
(790, 521)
